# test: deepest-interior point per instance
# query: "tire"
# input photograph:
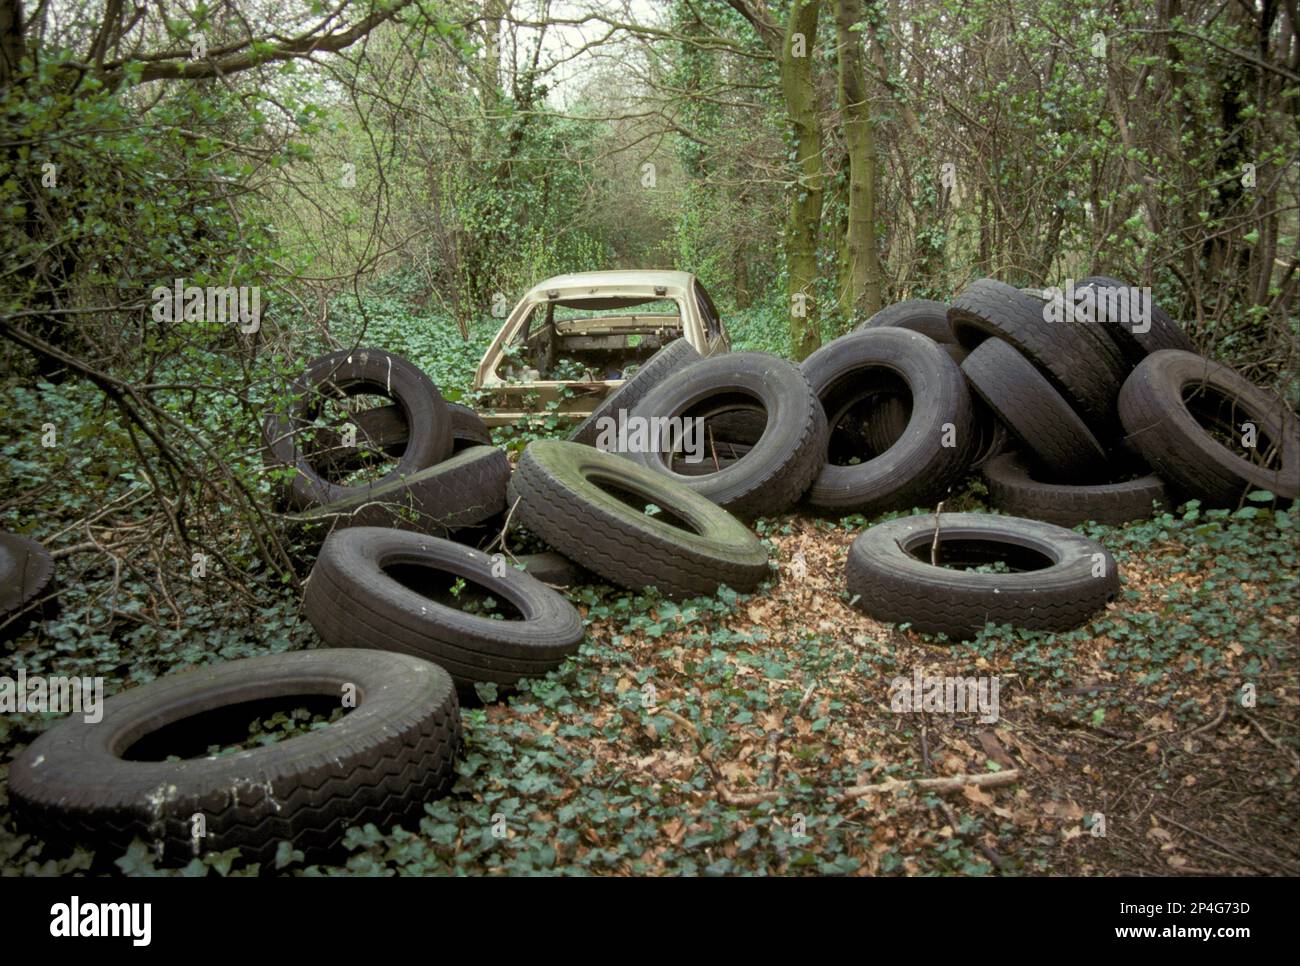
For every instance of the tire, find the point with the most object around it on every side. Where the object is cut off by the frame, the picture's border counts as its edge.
(380, 763)
(1015, 489)
(559, 500)
(463, 491)
(26, 584)
(706, 467)
(890, 584)
(353, 599)
(380, 432)
(920, 315)
(1061, 352)
(383, 430)
(467, 428)
(776, 472)
(349, 373)
(553, 569)
(1163, 406)
(1026, 403)
(674, 356)
(886, 422)
(991, 434)
(738, 427)
(956, 352)
(918, 468)
(1164, 332)
(1107, 352)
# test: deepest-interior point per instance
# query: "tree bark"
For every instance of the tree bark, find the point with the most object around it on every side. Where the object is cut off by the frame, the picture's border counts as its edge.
(864, 277)
(804, 220)
(11, 40)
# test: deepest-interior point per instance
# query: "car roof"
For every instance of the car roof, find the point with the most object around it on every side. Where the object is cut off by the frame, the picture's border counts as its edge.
(639, 282)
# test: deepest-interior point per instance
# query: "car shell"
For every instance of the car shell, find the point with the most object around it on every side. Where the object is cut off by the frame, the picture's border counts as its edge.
(507, 401)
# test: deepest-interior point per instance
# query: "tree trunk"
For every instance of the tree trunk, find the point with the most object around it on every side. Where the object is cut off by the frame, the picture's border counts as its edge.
(11, 40)
(806, 207)
(864, 275)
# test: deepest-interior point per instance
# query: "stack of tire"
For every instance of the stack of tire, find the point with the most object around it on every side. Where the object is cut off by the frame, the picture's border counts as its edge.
(1080, 405)
(1109, 414)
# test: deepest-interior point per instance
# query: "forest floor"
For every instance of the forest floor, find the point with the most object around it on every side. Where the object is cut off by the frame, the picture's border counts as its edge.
(719, 735)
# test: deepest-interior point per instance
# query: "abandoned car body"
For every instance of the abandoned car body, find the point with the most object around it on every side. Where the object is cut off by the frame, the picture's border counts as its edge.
(573, 339)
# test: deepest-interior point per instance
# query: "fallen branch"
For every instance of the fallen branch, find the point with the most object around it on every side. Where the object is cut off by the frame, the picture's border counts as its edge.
(934, 547)
(939, 786)
(942, 786)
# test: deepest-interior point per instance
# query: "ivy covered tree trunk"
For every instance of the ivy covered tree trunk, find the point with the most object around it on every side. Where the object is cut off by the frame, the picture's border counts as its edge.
(861, 292)
(805, 214)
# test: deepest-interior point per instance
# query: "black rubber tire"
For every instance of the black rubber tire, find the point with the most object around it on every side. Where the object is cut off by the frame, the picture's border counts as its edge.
(992, 437)
(467, 428)
(1061, 352)
(348, 372)
(890, 584)
(918, 469)
(674, 356)
(737, 427)
(26, 584)
(886, 422)
(379, 764)
(920, 315)
(553, 569)
(352, 601)
(776, 472)
(1154, 407)
(463, 491)
(381, 431)
(1164, 332)
(707, 466)
(1015, 489)
(1033, 410)
(559, 501)
(956, 351)
(1107, 352)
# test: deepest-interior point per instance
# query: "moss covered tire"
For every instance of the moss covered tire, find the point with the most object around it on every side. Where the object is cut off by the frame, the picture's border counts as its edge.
(1061, 578)
(918, 467)
(1015, 488)
(380, 763)
(657, 368)
(590, 506)
(459, 492)
(1180, 409)
(781, 463)
(385, 589)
